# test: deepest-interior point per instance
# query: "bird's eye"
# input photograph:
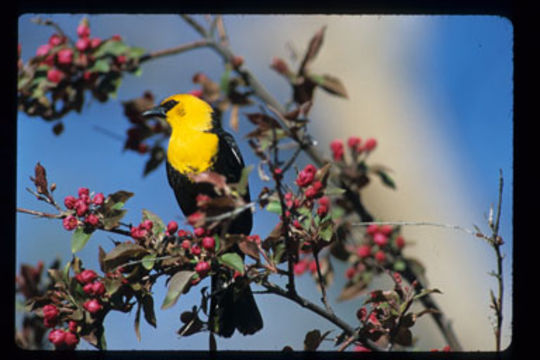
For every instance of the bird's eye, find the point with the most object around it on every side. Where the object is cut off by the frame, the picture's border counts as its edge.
(169, 105)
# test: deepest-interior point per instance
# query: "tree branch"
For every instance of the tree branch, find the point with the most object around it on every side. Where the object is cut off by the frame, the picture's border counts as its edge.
(274, 289)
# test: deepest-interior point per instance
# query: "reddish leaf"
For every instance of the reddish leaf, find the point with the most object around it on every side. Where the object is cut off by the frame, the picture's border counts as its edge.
(313, 49)
(249, 248)
(331, 84)
(40, 180)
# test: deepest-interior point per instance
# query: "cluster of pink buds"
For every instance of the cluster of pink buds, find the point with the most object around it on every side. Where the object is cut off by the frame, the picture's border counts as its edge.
(380, 241)
(304, 265)
(82, 209)
(355, 145)
(140, 231)
(66, 339)
(93, 288)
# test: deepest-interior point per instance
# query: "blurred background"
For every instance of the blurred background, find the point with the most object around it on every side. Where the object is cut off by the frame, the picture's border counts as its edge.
(435, 91)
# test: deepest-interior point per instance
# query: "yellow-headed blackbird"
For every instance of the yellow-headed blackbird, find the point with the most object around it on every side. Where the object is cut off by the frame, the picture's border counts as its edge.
(198, 143)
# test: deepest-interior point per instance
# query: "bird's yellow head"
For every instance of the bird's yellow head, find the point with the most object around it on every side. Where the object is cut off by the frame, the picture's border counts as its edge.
(184, 111)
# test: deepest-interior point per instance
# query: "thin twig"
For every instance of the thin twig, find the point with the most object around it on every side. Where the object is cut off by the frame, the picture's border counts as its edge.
(422, 223)
(195, 25)
(48, 22)
(322, 283)
(40, 213)
(274, 289)
(289, 246)
(175, 50)
(496, 243)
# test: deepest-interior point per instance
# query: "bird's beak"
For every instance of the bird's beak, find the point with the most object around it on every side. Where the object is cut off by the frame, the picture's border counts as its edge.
(158, 111)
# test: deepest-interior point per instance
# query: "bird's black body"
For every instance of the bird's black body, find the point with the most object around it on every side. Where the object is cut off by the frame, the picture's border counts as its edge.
(234, 308)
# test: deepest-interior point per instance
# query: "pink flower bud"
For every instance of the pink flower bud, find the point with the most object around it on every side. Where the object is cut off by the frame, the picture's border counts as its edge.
(183, 233)
(93, 306)
(354, 142)
(69, 202)
(98, 288)
(83, 191)
(50, 312)
(65, 56)
(386, 229)
(56, 40)
(349, 273)
(99, 198)
(400, 242)
(70, 222)
(70, 340)
(280, 66)
(88, 289)
(95, 42)
(86, 276)
(199, 232)
(54, 75)
(147, 224)
(361, 314)
(116, 38)
(172, 226)
(360, 348)
(254, 238)
(195, 250)
(380, 239)
(208, 242)
(57, 337)
(380, 256)
(83, 31)
(195, 217)
(92, 219)
(300, 267)
(337, 150)
(81, 207)
(306, 176)
(372, 229)
(82, 44)
(121, 59)
(43, 50)
(202, 268)
(186, 244)
(370, 144)
(196, 92)
(363, 251)
(72, 326)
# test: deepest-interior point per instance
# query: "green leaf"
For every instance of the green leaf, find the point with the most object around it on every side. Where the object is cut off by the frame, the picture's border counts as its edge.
(148, 308)
(224, 82)
(135, 52)
(274, 206)
(334, 191)
(386, 179)
(177, 283)
(157, 156)
(148, 261)
(79, 239)
(137, 323)
(326, 233)
(242, 185)
(400, 265)
(117, 200)
(122, 254)
(232, 260)
(330, 84)
(158, 225)
(426, 292)
(111, 47)
(101, 66)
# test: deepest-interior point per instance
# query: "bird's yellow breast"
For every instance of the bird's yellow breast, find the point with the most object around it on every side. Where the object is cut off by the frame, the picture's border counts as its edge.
(191, 151)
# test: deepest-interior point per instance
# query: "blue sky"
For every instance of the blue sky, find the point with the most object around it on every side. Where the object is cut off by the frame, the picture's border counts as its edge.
(464, 68)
